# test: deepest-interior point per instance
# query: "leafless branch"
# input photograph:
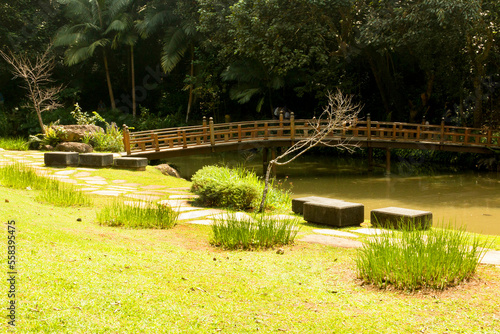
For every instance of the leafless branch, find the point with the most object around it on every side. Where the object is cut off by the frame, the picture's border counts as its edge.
(339, 113)
(37, 77)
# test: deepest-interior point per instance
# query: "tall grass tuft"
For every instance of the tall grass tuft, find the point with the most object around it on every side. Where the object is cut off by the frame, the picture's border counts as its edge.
(51, 191)
(260, 231)
(414, 258)
(14, 144)
(149, 215)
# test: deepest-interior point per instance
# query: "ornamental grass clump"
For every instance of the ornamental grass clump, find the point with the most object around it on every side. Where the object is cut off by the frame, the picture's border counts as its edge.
(412, 259)
(142, 215)
(52, 191)
(260, 231)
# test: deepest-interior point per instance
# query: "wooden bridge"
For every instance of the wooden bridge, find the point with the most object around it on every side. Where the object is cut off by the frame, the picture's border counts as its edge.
(210, 137)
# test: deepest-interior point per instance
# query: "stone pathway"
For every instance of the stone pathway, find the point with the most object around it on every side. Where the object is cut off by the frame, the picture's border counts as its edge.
(179, 200)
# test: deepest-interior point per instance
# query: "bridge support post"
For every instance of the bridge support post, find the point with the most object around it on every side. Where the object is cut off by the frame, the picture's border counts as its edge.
(387, 161)
(370, 159)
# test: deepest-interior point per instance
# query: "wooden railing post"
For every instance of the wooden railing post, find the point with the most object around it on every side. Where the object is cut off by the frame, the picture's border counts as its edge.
(155, 141)
(266, 130)
(239, 133)
(280, 132)
(204, 129)
(442, 130)
(488, 140)
(212, 134)
(423, 120)
(368, 127)
(126, 139)
(184, 139)
(292, 126)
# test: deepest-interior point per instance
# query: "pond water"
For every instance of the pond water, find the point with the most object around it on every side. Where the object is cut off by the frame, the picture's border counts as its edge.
(467, 198)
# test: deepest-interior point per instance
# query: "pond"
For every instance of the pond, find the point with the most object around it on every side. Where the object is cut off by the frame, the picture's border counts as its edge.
(467, 198)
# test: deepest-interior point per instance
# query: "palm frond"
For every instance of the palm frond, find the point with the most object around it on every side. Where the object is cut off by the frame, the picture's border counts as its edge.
(243, 93)
(176, 44)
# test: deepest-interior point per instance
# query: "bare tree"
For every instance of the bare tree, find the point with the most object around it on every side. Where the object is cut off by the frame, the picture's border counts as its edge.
(339, 112)
(37, 80)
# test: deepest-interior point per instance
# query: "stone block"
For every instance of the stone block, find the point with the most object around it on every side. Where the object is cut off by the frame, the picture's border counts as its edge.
(96, 159)
(61, 158)
(334, 213)
(134, 163)
(393, 217)
(298, 203)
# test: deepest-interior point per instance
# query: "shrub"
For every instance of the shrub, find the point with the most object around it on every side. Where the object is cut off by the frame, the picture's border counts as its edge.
(225, 187)
(235, 188)
(52, 191)
(150, 215)
(110, 141)
(414, 259)
(258, 232)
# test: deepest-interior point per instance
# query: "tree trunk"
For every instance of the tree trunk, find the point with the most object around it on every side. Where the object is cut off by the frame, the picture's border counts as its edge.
(108, 79)
(134, 108)
(478, 103)
(191, 73)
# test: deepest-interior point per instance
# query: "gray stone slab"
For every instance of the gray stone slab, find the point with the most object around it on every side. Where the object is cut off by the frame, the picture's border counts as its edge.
(394, 217)
(200, 222)
(334, 213)
(96, 159)
(336, 233)
(298, 203)
(131, 163)
(197, 214)
(370, 231)
(331, 241)
(240, 216)
(491, 257)
(61, 159)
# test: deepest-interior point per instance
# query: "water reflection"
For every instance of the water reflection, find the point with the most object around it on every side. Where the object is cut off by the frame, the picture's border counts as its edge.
(466, 197)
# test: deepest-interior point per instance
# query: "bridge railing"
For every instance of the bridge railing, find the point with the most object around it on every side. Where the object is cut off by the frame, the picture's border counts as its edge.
(211, 134)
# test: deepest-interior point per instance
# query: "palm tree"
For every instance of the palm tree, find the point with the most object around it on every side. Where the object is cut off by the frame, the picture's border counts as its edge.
(94, 22)
(179, 36)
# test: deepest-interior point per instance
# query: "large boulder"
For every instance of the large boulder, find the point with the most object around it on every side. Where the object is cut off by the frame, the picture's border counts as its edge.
(74, 147)
(165, 169)
(76, 132)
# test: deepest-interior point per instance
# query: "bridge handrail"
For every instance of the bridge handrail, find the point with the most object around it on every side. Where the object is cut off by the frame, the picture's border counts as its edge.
(209, 133)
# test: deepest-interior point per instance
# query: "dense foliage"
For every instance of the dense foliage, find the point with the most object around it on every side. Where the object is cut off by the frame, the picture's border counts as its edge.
(403, 59)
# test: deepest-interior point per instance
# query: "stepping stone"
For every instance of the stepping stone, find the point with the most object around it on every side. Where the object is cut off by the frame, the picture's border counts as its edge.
(174, 202)
(59, 177)
(143, 197)
(334, 213)
(121, 188)
(82, 174)
(332, 241)
(131, 184)
(236, 215)
(491, 257)
(336, 233)
(118, 181)
(69, 181)
(370, 231)
(298, 203)
(107, 193)
(133, 163)
(150, 193)
(61, 158)
(184, 208)
(96, 159)
(36, 163)
(65, 172)
(200, 222)
(89, 189)
(92, 178)
(87, 169)
(197, 214)
(181, 188)
(96, 182)
(393, 217)
(284, 217)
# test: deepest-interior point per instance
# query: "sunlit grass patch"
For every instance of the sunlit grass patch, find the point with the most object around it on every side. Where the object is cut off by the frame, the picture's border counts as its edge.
(52, 191)
(148, 215)
(14, 144)
(412, 258)
(260, 231)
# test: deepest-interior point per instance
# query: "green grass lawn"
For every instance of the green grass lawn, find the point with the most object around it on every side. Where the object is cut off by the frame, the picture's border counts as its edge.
(80, 277)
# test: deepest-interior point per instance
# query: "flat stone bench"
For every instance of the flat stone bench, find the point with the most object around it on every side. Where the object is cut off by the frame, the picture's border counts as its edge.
(96, 159)
(298, 203)
(61, 159)
(393, 217)
(334, 213)
(131, 163)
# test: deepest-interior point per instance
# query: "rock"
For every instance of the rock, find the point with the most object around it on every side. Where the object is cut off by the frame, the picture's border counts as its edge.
(165, 169)
(47, 148)
(76, 132)
(74, 147)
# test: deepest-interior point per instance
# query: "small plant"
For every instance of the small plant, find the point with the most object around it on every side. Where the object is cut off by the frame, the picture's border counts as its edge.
(416, 258)
(110, 141)
(53, 135)
(14, 144)
(150, 215)
(52, 191)
(83, 118)
(261, 231)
